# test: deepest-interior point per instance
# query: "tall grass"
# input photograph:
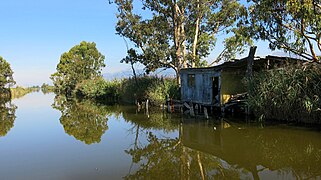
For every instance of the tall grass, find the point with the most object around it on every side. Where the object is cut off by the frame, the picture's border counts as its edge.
(129, 90)
(291, 93)
(153, 88)
(99, 89)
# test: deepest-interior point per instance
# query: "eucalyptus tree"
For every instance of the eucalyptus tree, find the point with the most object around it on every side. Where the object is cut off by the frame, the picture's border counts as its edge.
(82, 62)
(291, 25)
(6, 75)
(177, 33)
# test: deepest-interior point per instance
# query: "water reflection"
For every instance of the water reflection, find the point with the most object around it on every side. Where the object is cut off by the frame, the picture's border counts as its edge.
(207, 150)
(84, 120)
(165, 146)
(155, 119)
(7, 116)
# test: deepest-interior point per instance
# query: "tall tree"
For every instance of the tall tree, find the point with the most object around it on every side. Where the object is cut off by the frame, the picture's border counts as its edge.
(176, 33)
(292, 25)
(6, 78)
(82, 62)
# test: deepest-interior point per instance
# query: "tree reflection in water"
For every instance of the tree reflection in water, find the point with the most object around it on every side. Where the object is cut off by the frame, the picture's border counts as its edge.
(84, 120)
(228, 151)
(7, 116)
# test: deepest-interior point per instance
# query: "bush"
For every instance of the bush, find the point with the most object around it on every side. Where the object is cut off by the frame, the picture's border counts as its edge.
(155, 89)
(291, 93)
(99, 90)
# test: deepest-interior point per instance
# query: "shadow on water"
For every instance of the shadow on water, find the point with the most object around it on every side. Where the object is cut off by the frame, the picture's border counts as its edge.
(7, 116)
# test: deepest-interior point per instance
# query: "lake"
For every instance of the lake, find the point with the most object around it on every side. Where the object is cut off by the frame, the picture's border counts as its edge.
(43, 136)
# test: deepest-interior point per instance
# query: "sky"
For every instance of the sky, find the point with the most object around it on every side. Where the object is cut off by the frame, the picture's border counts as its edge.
(34, 33)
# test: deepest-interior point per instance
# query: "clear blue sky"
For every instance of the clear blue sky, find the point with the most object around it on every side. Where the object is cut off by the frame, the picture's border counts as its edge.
(34, 33)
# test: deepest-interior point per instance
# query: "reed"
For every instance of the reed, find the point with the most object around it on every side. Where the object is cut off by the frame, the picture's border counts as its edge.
(290, 93)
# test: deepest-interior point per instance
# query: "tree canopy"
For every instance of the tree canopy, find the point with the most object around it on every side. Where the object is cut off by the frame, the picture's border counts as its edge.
(291, 25)
(178, 33)
(82, 62)
(6, 78)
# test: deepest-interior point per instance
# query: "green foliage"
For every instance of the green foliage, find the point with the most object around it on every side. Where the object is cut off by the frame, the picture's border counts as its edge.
(46, 88)
(82, 62)
(290, 93)
(177, 34)
(155, 89)
(100, 90)
(6, 78)
(292, 25)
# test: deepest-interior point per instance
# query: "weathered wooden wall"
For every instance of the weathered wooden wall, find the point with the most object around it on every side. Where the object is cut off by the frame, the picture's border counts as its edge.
(201, 92)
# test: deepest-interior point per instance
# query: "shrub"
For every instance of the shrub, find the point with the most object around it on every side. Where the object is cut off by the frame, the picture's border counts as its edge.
(155, 89)
(99, 89)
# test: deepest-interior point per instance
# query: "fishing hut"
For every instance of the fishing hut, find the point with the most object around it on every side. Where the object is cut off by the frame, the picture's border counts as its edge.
(222, 87)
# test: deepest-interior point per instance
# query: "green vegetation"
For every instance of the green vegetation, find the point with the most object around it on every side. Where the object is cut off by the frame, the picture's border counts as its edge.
(99, 89)
(179, 34)
(6, 79)
(290, 93)
(82, 62)
(19, 91)
(291, 25)
(79, 75)
(46, 88)
(155, 89)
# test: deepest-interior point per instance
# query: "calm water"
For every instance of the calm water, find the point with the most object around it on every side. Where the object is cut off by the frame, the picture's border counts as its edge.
(48, 137)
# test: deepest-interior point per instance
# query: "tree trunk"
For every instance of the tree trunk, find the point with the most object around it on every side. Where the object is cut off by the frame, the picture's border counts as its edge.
(196, 34)
(178, 76)
(183, 44)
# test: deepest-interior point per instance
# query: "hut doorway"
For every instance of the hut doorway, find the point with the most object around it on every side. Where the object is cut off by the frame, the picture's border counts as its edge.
(215, 90)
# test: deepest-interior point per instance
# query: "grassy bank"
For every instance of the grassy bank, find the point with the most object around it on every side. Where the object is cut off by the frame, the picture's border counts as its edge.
(291, 93)
(129, 90)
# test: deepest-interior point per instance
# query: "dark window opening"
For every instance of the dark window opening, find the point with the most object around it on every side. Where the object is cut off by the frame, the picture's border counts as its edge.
(191, 80)
(215, 90)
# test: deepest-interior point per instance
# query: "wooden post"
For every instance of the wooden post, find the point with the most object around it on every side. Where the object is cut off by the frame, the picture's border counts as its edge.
(191, 110)
(146, 104)
(249, 71)
(205, 113)
(250, 60)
